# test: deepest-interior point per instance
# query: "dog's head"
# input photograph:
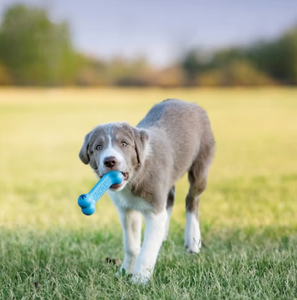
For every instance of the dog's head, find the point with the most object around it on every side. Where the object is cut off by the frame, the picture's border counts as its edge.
(115, 146)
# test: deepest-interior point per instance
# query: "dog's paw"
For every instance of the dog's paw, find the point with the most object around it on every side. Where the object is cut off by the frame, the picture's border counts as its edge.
(127, 266)
(193, 242)
(142, 274)
(192, 234)
(194, 245)
(140, 278)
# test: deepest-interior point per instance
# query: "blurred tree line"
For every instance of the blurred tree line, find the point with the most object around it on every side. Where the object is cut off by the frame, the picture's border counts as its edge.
(37, 51)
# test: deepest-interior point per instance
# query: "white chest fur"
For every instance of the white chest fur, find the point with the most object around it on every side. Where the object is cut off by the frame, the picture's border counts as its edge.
(126, 200)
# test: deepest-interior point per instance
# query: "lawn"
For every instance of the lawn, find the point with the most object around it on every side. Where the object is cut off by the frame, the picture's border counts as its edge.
(248, 214)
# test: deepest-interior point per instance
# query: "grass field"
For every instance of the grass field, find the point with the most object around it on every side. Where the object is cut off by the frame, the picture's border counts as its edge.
(248, 214)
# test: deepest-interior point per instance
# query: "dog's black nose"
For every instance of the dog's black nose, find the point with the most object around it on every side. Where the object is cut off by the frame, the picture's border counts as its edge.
(110, 161)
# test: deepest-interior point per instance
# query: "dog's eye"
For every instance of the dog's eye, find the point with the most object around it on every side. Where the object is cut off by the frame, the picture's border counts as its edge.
(124, 144)
(99, 147)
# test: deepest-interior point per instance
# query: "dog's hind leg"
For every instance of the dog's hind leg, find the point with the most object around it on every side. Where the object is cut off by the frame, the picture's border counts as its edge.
(198, 180)
(169, 207)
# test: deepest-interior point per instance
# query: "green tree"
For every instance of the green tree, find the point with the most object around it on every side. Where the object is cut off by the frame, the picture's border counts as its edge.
(277, 58)
(235, 73)
(191, 64)
(36, 50)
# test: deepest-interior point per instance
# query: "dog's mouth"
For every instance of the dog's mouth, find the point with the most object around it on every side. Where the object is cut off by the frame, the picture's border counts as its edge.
(118, 186)
(125, 180)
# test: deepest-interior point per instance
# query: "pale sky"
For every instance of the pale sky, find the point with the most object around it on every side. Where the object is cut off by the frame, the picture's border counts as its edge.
(163, 29)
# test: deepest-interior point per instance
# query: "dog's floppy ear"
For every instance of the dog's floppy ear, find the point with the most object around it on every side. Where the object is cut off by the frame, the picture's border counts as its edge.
(83, 154)
(140, 138)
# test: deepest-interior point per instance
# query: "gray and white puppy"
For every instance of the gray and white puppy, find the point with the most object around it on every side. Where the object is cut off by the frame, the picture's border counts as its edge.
(175, 137)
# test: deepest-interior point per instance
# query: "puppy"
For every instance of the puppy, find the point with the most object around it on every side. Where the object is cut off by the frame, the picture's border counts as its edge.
(175, 137)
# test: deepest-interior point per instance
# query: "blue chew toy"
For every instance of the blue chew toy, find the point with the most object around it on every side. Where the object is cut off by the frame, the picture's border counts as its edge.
(88, 201)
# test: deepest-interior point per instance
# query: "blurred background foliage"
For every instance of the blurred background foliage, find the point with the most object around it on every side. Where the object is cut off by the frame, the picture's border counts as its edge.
(36, 51)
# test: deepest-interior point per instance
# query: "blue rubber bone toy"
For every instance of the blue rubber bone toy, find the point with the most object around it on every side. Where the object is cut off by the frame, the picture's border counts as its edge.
(87, 202)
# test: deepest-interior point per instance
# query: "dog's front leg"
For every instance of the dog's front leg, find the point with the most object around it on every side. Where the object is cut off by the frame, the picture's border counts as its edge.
(131, 224)
(153, 237)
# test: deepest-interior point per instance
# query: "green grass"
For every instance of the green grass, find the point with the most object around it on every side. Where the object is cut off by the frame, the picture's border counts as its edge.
(71, 265)
(49, 250)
